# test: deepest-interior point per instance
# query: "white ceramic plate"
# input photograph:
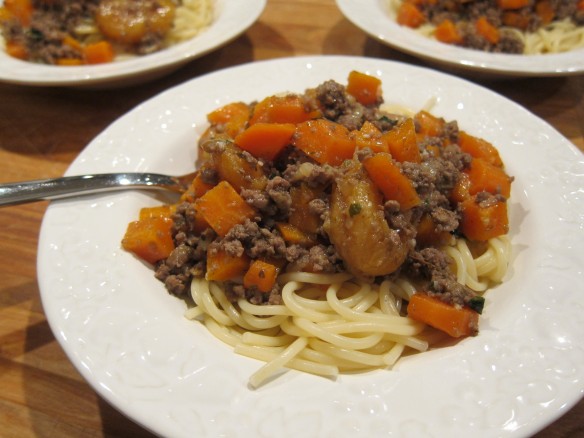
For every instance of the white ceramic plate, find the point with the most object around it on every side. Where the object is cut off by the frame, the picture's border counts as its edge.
(375, 18)
(232, 17)
(128, 337)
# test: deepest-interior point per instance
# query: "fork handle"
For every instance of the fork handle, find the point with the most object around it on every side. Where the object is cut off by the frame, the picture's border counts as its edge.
(69, 186)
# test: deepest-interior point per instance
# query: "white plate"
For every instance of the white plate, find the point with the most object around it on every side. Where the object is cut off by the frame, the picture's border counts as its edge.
(232, 17)
(128, 337)
(373, 17)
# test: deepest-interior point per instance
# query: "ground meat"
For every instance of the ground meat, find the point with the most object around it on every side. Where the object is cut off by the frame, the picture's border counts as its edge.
(434, 266)
(314, 175)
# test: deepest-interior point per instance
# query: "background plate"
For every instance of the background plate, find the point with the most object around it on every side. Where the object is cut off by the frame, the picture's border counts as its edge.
(232, 18)
(374, 18)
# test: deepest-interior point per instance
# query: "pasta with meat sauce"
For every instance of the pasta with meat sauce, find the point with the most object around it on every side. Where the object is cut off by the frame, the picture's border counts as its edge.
(503, 26)
(67, 33)
(327, 234)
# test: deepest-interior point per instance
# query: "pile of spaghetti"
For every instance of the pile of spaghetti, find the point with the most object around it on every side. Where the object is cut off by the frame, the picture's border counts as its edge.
(505, 26)
(63, 32)
(325, 233)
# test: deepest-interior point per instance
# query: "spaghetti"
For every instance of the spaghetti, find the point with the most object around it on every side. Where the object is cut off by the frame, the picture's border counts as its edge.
(352, 326)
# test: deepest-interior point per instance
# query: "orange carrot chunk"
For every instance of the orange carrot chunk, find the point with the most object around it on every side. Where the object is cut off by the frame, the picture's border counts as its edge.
(20, 9)
(222, 266)
(261, 275)
(512, 4)
(99, 53)
(365, 88)
(294, 235)
(455, 321)
(487, 30)
(447, 32)
(428, 125)
(266, 140)
(394, 185)
(482, 223)
(483, 176)
(16, 50)
(223, 208)
(479, 148)
(368, 136)
(233, 116)
(282, 109)
(149, 239)
(402, 142)
(197, 188)
(410, 15)
(545, 11)
(324, 141)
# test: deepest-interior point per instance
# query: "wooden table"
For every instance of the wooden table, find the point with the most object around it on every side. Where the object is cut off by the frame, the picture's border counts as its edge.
(43, 129)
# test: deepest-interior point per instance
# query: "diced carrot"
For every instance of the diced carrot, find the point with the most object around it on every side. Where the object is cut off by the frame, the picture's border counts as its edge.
(301, 216)
(265, 140)
(289, 108)
(69, 61)
(512, 4)
(428, 235)
(370, 137)
(324, 141)
(455, 321)
(410, 15)
(363, 87)
(73, 43)
(164, 211)
(5, 15)
(447, 32)
(223, 208)
(149, 239)
(515, 19)
(99, 53)
(545, 11)
(196, 189)
(294, 235)
(21, 9)
(16, 50)
(479, 148)
(394, 185)
(222, 266)
(487, 30)
(428, 125)
(402, 142)
(261, 275)
(234, 116)
(484, 176)
(483, 223)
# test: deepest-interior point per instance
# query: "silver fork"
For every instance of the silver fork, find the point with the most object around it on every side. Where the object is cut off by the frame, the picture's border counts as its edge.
(70, 186)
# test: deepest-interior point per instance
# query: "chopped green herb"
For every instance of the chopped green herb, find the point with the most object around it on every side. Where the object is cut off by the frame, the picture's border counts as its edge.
(354, 209)
(477, 304)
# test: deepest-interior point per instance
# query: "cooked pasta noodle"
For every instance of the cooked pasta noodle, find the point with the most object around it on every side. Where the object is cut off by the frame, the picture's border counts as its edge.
(192, 17)
(330, 323)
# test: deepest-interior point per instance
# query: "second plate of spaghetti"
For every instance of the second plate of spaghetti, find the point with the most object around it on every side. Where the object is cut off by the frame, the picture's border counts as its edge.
(378, 19)
(131, 341)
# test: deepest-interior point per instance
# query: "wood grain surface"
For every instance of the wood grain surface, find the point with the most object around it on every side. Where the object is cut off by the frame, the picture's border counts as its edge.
(42, 130)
